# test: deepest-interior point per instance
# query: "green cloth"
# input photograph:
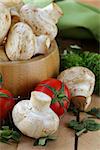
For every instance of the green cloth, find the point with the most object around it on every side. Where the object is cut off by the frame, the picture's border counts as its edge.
(80, 21)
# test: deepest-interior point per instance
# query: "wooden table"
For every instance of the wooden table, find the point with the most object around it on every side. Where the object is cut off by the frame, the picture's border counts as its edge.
(65, 137)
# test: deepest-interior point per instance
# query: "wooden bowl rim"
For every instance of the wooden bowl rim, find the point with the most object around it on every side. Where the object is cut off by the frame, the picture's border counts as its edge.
(52, 49)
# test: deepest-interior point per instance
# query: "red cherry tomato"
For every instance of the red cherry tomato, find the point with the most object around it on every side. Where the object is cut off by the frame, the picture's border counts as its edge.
(6, 103)
(59, 93)
(57, 108)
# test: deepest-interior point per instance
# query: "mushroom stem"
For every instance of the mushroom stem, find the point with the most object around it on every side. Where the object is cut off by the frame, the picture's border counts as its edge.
(42, 44)
(79, 102)
(88, 101)
(40, 101)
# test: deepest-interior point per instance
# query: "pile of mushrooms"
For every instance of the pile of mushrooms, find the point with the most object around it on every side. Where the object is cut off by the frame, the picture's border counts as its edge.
(26, 30)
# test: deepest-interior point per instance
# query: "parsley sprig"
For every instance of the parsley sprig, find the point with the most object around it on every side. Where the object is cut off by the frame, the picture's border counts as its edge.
(43, 140)
(84, 126)
(7, 135)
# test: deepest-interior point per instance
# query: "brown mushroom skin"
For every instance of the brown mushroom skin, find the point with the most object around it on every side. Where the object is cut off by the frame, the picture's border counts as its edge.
(79, 102)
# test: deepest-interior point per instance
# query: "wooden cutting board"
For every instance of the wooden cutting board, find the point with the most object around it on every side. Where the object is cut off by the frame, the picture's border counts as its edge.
(65, 137)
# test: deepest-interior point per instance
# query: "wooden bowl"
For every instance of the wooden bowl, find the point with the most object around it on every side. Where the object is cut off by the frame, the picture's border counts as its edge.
(20, 77)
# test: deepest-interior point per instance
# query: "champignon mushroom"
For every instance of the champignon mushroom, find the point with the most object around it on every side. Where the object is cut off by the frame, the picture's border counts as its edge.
(42, 20)
(34, 117)
(22, 44)
(5, 21)
(80, 81)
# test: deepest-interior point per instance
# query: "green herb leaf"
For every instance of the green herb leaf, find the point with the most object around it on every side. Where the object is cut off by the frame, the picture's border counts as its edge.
(91, 125)
(16, 136)
(81, 132)
(6, 134)
(40, 142)
(4, 140)
(95, 111)
(77, 126)
(83, 126)
(43, 140)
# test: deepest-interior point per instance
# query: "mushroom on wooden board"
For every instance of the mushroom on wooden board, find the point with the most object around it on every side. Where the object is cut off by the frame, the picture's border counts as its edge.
(80, 81)
(34, 117)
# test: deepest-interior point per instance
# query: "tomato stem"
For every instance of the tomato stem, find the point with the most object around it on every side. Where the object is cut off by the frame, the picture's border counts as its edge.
(1, 80)
(59, 96)
(4, 95)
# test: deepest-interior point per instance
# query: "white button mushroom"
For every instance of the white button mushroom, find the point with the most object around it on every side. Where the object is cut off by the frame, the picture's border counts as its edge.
(80, 81)
(34, 117)
(53, 11)
(42, 20)
(5, 21)
(42, 44)
(22, 44)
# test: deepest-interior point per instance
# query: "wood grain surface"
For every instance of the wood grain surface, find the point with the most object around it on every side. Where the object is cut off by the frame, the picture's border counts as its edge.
(21, 76)
(65, 136)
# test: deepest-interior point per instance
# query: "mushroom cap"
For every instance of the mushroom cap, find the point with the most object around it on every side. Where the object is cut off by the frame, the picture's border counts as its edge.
(39, 20)
(21, 42)
(80, 80)
(31, 120)
(5, 21)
